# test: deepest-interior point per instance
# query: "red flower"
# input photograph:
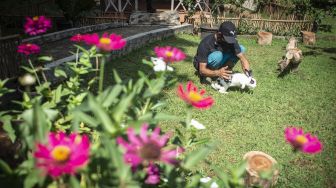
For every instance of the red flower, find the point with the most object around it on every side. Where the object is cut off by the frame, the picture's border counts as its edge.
(28, 49)
(77, 38)
(62, 154)
(194, 97)
(304, 142)
(106, 42)
(37, 25)
(169, 54)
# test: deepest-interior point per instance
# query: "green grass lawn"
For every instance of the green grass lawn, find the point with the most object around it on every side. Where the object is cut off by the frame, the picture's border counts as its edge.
(240, 121)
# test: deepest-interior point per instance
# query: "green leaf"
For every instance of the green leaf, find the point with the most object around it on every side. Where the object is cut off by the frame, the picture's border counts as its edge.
(31, 180)
(102, 115)
(112, 96)
(240, 170)
(45, 58)
(116, 76)
(7, 126)
(60, 73)
(31, 71)
(82, 117)
(5, 167)
(163, 117)
(81, 48)
(74, 183)
(122, 107)
(146, 62)
(222, 176)
(155, 87)
(197, 156)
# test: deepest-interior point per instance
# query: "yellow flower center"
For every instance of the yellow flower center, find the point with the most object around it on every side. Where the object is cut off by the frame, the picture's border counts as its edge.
(61, 153)
(301, 139)
(194, 96)
(169, 54)
(35, 18)
(104, 40)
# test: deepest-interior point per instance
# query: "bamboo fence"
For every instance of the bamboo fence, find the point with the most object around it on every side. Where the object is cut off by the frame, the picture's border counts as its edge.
(253, 25)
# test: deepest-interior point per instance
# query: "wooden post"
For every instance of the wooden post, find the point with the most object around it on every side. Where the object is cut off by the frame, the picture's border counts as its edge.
(258, 162)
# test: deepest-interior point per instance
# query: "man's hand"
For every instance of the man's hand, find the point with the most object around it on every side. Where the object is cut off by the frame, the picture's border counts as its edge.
(225, 73)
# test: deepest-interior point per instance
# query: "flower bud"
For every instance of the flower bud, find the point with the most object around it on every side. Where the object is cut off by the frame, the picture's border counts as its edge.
(27, 80)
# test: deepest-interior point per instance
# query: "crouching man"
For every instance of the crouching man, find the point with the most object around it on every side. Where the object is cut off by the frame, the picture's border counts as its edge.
(218, 53)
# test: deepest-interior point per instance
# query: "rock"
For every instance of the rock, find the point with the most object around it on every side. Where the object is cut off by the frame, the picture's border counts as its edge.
(259, 162)
(308, 38)
(264, 38)
(162, 18)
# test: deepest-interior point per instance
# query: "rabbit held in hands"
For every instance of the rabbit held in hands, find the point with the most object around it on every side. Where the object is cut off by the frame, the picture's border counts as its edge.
(237, 80)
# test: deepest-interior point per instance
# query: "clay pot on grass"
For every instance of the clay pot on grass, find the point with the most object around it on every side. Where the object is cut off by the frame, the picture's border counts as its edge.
(264, 38)
(257, 163)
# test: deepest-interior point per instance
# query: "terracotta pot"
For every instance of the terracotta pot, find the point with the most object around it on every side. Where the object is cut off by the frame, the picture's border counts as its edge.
(259, 162)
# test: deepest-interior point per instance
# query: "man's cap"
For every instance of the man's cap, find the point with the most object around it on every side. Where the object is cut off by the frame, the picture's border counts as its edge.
(229, 32)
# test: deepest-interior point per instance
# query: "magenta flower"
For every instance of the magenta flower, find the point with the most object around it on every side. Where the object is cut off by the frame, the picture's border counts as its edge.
(169, 54)
(77, 38)
(145, 149)
(106, 42)
(63, 154)
(28, 49)
(194, 97)
(37, 25)
(304, 142)
(153, 175)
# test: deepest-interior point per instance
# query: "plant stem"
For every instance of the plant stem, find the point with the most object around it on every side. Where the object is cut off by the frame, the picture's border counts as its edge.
(32, 66)
(101, 75)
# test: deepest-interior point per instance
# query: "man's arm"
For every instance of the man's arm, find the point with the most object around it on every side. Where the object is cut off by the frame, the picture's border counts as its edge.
(244, 62)
(223, 72)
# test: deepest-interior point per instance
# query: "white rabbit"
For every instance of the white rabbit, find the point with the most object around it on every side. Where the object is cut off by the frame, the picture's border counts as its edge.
(160, 65)
(237, 80)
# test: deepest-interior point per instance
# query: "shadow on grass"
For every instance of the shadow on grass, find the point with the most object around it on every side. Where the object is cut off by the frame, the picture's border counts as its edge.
(128, 66)
(331, 50)
(325, 27)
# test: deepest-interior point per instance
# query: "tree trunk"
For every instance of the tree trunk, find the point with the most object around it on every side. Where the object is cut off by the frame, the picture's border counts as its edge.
(264, 38)
(258, 162)
(308, 38)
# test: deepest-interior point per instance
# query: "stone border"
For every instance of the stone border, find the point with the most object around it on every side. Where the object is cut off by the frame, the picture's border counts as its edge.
(136, 41)
(51, 37)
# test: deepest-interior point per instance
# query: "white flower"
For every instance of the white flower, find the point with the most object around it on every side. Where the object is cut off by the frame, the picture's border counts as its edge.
(207, 179)
(160, 65)
(197, 124)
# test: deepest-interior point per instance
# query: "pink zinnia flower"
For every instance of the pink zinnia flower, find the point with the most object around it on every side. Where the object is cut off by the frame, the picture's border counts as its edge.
(106, 42)
(169, 54)
(153, 175)
(37, 25)
(28, 49)
(145, 149)
(194, 97)
(63, 154)
(77, 38)
(304, 142)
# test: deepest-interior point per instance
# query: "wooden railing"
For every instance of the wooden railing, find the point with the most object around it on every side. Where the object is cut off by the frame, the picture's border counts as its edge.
(9, 58)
